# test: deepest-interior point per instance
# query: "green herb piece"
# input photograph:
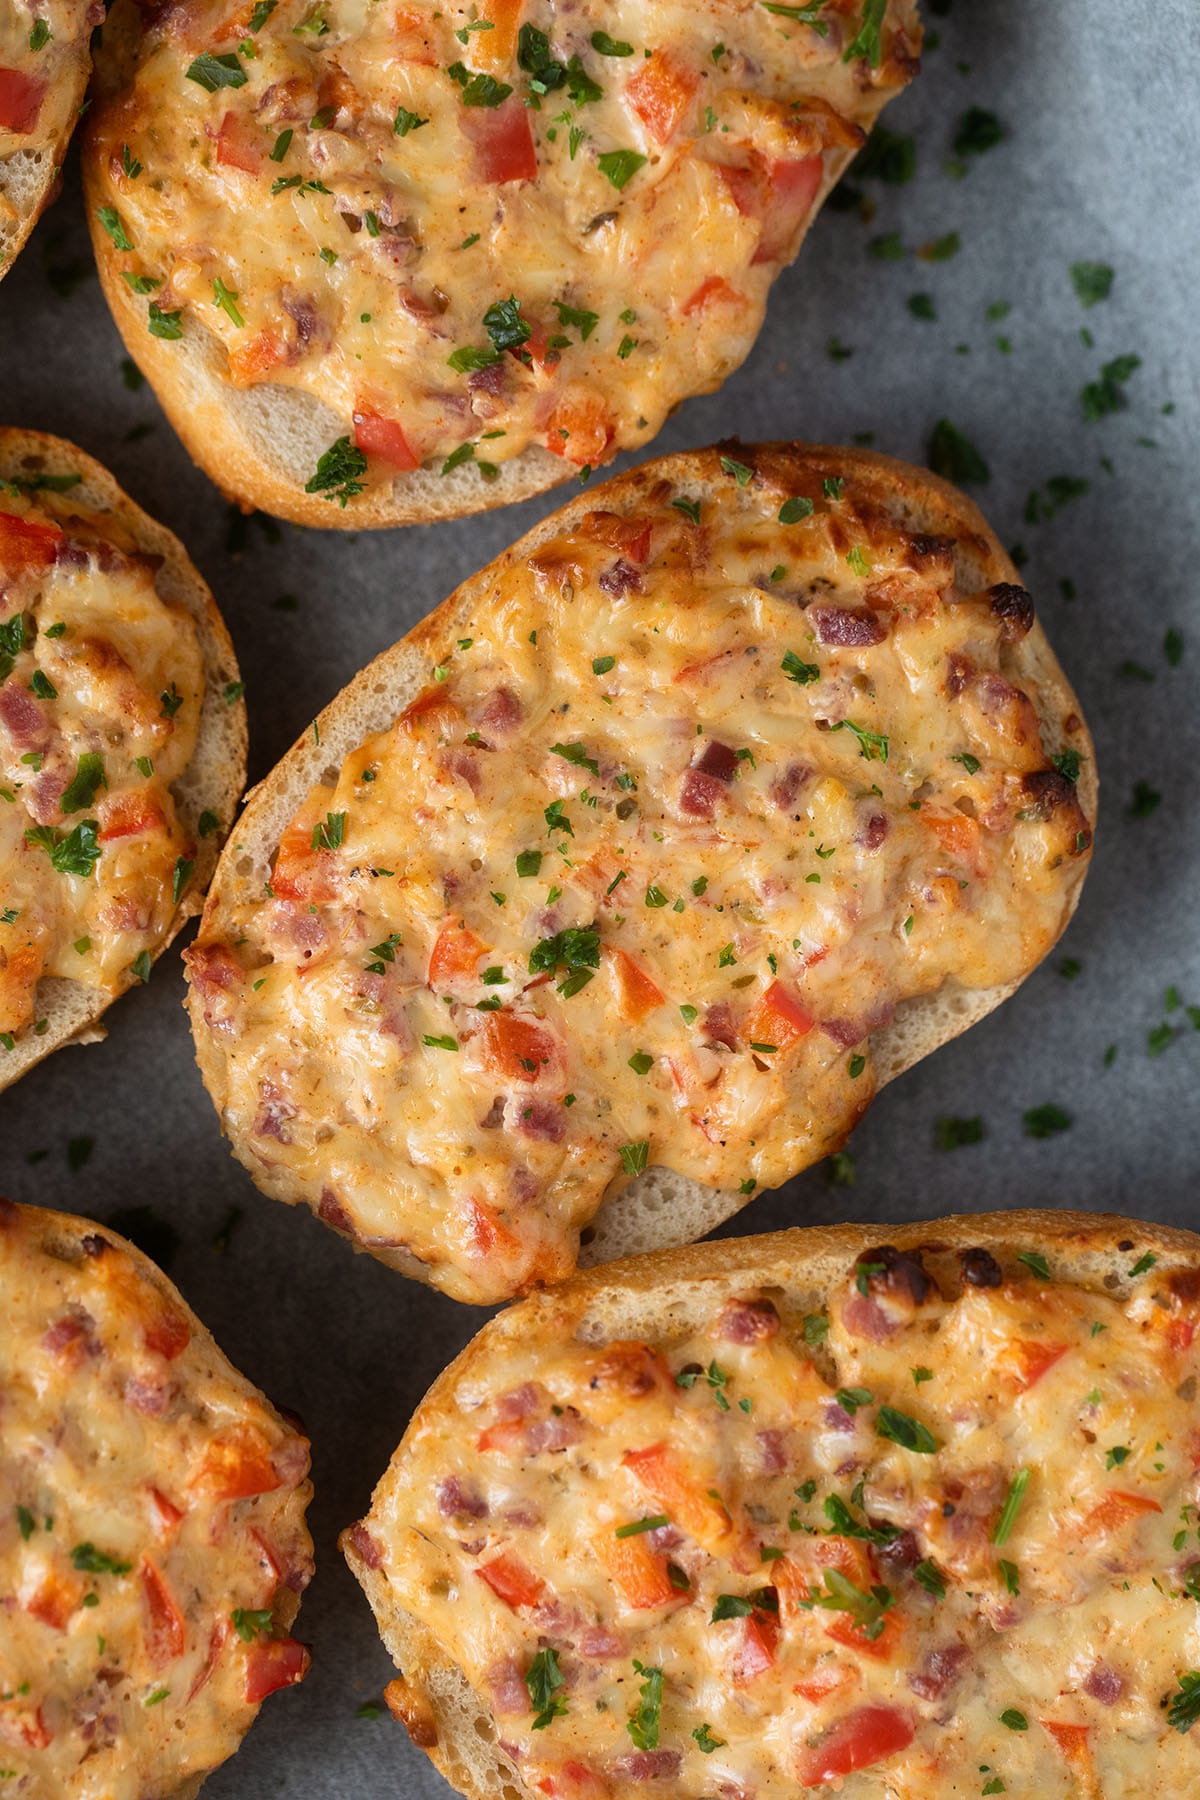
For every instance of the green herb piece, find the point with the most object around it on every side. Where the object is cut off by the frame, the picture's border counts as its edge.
(338, 472)
(42, 686)
(604, 45)
(1011, 1507)
(634, 1157)
(576, 754)
(620, 166)
(865, 45)
(1092, 282)
(406, 121)
(251, 1622)
(977, 131)
(800, 672)
(439, 1043)
(954, 457)
(89, 775)
(180, 879)
(954, 1133)
(73, 853)
(928, 1576)
(792, 511)
(1046, 1121)
(1107, 395)
(1184, 1709)
(90, 1561)
(213, 72)
(850, 1399)
(226, 300)
(706, 1743)
(26, 1523)
(478, 89)
(640, 1525)
(544, 1678)
(110, 219)
(1118, 1454)
(207, 823)
(867, 1609)
(816, 1328)
(871, 744)
(1016, 1721)
(910, 1434)
(643, 1726)
(40, 36)
(1145, 800)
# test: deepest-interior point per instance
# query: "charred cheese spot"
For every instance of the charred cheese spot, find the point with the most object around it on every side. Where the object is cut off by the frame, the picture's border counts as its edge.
(829, 1596)
(368, 182)
(145, 1612)
(101, 686)
(636, 880)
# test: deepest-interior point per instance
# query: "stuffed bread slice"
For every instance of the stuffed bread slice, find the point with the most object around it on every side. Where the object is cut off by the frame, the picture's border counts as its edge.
(122, 744)
(45, 60)
(394, 263)
(912, 1518)
(614, 891)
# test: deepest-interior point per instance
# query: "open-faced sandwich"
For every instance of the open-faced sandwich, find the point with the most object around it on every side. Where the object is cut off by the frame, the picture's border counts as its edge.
(911, 1520)
(419, 259)
(45, 59)
(152, 1540)
(613, 892)
(122, 744)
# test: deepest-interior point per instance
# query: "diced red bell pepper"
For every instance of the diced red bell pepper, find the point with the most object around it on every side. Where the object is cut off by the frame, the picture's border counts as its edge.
(54, 1600)
(638, 993)
(240, 145)
(21, 99)
(1028, 1359)
(791, 188)
(455, 956)
(26, 544)
(165, 1634)
(515, 1048)
(300, 872)
(859, 1741)
(384, 439)
(779, 1019)
(687, 1502)
(273, 1663)
(488, 1235)
(165, 1330)
(636, 1570)
(755, 1651)
(714, 290)
(579, 429)
(660, 93)
(164, 1514)
(503, 141)
(629, 536)
(1072, 1740)
(238, 1465)
(129, 815)
(511, 1581)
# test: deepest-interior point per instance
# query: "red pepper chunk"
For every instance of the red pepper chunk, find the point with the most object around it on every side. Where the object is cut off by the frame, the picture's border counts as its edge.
(455, 956)
(26, 544)
(504, 149)
(167, 1333)
(713, 291)
(859, 1741)
(779, 1019)
(664, 1475)
(515, 1048)
(639, 995)
(240, 146)
(755, 1652)
(238, 1465)
(165, 1633)
(21, 99)
(511, 1581)
(1028, 1360)
(660, 94)
(274, 1663)
(384, 439)
(129, 815)
(1117, 1509)
(1072, 1741)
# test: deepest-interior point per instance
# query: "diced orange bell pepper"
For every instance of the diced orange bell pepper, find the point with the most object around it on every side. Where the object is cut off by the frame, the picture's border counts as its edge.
(240, 145)
(638, 993)
(779, 1019)
(1026, 1360)
(714, 290)
(455, 955)
(238, 1465)
(516, 1048)
(580, 427)
(639, 1572)
(660, 93)
(1117, 1509)
(253, 360)
(664, 1474)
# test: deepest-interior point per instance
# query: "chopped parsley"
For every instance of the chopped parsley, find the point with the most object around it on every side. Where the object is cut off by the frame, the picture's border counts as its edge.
(792, 511)
(620, 166)
(250, 1622)
(1092, 282)
(706, 1743)
(1011, 1507)
(643, 1725)
(798, 671)
(544, 1679)
(909, 1433)
(954, 456)
(634, 1157)
(478, 89)
(213, 72)
(71, 853)
(1046, 1121)
(90, 1561)
(338, 472)
(1184, 1709)
(406, 121)
(872, 745)
(110, 219)
(89, 775)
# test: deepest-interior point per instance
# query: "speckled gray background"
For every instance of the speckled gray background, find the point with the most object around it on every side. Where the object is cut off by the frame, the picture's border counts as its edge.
(1101, 163)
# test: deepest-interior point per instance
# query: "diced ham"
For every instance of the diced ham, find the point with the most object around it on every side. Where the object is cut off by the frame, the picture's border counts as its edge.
(456, 1500)
(620, 578)
(648, 1765)
(1104, 1684)
(506, 1685)
(772, 1451)
(542, 1120)
(786, 789)
(747, 1321)
(23, 719)
(367, 1547)
(502, 713)
(847, 627)
(865, 1318)
(941, 1670)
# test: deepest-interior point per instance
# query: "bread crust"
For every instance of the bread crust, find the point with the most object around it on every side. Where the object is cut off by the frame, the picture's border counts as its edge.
(64, 1234)
(659, 1208)
(30, 173)
(639, 1296)
(216, 776)
(234, 434)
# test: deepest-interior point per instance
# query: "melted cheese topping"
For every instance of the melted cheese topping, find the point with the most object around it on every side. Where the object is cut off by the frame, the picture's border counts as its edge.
(101, 686)
(367, 205)
(686, 812)
(151, 1518)
(952, 1552)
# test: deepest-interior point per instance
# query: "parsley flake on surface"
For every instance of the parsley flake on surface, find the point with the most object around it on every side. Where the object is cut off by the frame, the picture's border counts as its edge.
(643, 1725)
(338, 472)
(954, 457)
(620, 166)
(1046, 1121)
(544, 1679)
(213, 72)
(1092, 282)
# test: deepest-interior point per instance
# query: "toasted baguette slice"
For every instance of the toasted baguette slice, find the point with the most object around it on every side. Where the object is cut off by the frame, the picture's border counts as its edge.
(212, 782)
(473, 843)
(149, 1482)
(42, 82)
(259, 398)
(997, 1487)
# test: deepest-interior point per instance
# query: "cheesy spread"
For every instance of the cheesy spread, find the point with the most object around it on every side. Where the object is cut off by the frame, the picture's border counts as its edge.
(938, 1540)
(151, 1520)
(698, 793)
(101, 686)
(472, 228)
